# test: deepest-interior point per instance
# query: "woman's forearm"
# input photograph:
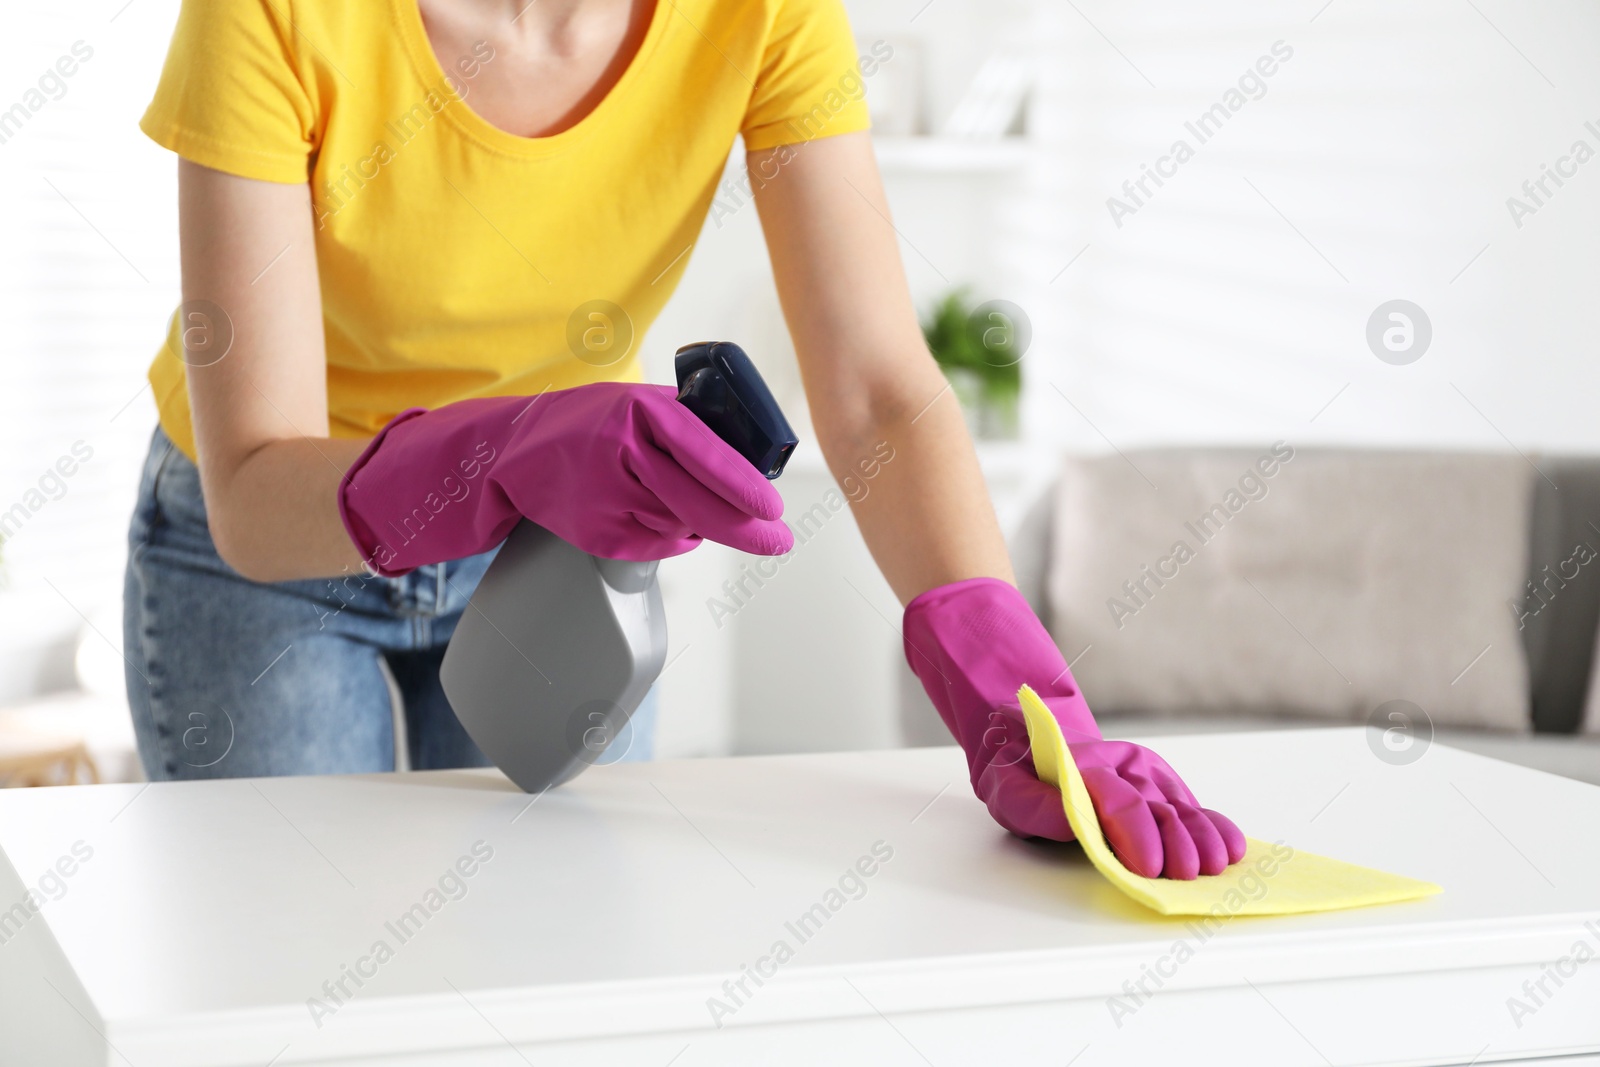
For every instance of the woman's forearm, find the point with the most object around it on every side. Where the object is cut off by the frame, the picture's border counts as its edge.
(924, 511)
(925, 514)
(269, 471)
(274, 514)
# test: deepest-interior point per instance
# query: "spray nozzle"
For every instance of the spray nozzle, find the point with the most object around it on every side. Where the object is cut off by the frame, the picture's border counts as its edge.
(719, 383)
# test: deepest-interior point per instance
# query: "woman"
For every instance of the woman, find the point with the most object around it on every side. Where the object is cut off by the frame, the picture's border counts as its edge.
(387, 207)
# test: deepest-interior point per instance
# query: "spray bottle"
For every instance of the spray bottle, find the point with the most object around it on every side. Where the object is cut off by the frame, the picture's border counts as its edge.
(557, 647)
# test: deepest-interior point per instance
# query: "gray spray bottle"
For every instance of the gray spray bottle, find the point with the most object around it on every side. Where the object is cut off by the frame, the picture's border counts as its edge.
(558, 647)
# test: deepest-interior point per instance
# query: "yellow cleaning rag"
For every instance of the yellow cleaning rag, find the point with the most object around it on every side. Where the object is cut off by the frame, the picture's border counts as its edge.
(1272, 879)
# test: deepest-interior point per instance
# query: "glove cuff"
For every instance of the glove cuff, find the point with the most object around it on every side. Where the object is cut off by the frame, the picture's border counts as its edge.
(375, 553)
(972, 643)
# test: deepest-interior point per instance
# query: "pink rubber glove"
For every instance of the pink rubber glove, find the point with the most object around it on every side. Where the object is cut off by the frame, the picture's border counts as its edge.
(973, 644)
(620, 470)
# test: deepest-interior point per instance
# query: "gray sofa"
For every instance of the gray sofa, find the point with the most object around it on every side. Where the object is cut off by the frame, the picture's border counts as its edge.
(1559, 641)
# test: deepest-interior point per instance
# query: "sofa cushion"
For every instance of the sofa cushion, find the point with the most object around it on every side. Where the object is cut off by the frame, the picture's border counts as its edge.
(1312, 583)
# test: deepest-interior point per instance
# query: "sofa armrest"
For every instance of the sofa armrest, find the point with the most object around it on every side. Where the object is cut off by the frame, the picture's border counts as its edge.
(1030, 546)
(1560, 618)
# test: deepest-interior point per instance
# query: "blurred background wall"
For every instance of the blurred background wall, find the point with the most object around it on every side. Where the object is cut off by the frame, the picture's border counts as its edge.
(1229, 304)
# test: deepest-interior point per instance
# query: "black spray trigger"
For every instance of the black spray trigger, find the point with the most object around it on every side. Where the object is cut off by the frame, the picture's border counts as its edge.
(719, 383)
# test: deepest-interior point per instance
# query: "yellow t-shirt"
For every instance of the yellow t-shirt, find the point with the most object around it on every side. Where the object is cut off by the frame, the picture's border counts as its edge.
(458, 260)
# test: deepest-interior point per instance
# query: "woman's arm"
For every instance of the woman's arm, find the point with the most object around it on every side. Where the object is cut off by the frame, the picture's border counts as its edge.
(868, 375)
(932, 530)
(268, 468)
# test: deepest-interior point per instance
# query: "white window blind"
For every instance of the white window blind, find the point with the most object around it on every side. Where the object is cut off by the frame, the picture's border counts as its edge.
(88, 276)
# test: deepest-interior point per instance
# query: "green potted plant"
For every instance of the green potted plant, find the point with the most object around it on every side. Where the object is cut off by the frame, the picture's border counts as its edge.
(980, 350)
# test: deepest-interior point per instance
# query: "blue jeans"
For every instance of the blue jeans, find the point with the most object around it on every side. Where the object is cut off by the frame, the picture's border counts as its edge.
(230, 678)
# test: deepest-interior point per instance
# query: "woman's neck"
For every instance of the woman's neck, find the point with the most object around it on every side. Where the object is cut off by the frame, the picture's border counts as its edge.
(552, 63)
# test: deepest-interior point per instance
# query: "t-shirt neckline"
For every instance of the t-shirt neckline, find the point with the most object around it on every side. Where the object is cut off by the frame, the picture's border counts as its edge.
(425, 63)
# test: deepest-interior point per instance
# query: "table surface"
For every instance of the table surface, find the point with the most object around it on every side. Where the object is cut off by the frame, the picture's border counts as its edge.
(229, 904)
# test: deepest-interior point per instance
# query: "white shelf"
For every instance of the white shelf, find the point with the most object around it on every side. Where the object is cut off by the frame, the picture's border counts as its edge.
(952, 155)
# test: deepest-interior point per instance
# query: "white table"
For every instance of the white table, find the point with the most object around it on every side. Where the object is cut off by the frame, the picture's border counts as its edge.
(613, 908)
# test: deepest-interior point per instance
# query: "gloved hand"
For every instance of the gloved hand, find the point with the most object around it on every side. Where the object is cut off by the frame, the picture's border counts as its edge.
(620, 470)
(973, 644)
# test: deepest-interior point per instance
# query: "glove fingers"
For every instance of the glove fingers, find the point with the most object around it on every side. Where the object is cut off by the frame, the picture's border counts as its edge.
(1208, 843)
(709, 459)
(1212, 853)
(1146, 785)
(1173, 788)
(1231, 835)
(1126, 819)
(1181, 859)
(707, 513)
(636, 540)
(659, 519)
(668, 537)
